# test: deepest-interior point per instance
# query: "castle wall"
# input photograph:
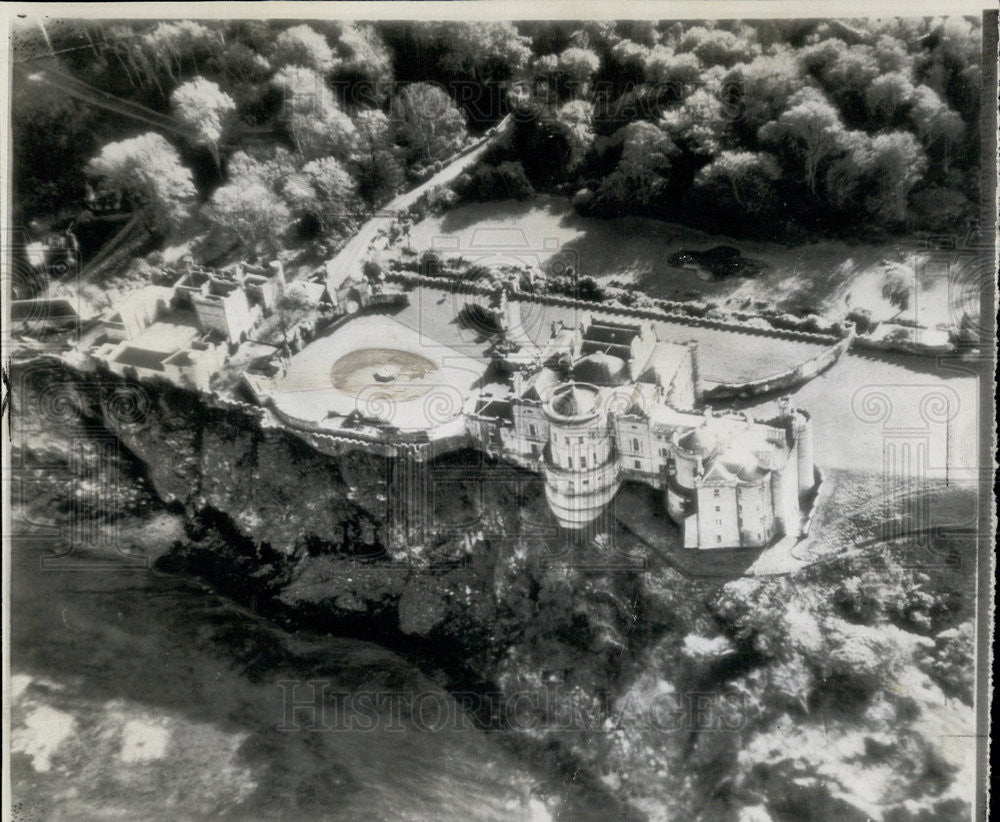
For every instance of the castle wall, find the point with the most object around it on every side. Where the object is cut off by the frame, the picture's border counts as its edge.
(636, 449)
(804, 449)
(756, 514)
(140, 308)
(785, 494)
(530, 432)
(718, 517)
(681, 392)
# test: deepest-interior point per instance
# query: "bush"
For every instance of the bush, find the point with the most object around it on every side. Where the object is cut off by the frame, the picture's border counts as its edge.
(862, 319)
(506, 181)
(583, 201)
(431, 264)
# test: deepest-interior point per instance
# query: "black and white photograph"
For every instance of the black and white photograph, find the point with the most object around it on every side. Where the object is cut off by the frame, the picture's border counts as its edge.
(480, 412)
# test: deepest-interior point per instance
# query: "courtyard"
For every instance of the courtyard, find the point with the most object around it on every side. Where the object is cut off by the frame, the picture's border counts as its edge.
(408, 381)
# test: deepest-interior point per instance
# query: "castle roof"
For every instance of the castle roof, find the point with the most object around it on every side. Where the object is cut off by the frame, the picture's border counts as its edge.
(699, 440)
(601, 369)
(573, 399)
(741, 463)
(664, 363)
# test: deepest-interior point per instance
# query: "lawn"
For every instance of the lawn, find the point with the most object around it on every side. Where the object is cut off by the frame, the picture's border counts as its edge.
(830, 277)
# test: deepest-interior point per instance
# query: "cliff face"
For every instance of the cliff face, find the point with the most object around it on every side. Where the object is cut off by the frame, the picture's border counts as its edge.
(689, 699)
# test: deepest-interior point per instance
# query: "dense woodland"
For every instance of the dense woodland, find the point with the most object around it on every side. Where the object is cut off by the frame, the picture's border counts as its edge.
(775, 129)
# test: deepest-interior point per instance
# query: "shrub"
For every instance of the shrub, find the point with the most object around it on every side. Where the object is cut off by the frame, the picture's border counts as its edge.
(862, 319)
(506, 181)
(431, 264)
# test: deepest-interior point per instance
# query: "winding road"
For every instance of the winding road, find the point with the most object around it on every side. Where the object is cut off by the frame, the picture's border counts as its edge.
(348, 260)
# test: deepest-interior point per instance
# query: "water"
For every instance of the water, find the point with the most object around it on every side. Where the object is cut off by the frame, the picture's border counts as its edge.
(139, 695)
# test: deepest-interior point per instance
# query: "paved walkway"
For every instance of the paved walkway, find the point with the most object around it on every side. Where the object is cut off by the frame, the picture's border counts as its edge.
(348, 260)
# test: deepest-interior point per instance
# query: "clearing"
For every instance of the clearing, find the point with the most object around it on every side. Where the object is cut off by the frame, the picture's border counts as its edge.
(829, 278)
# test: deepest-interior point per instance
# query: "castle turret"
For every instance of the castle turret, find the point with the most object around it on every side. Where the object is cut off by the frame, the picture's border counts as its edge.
(785, 499)
(695, 371)
(581, 475)
(802, 427)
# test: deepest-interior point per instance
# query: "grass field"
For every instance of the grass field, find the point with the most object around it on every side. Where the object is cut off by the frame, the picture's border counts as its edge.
(830, 277)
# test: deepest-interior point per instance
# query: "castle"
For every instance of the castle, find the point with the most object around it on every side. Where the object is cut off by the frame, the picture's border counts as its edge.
(608, 402)
(598, 404)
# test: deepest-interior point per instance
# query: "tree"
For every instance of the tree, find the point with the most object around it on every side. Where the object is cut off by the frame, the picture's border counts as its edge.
(938, 126)
(664, 66)
(291, 306)
(302, 46)
(897, 164)
(847, 77)
(201, 106)
(627, 62)
(810, 127)
(428, 122)
(481, 51)
(325, 189)
(646, 146)
(317, 124)
(762, 88)
(248, 211)
(53, 137)
(170, 45)
(746, 176)
(268, 168)
(640, 176)
(576, 118)
(363, 56)
(578, 65)
(891, 55)
(506, 181)
(717, 47)
(875, 175)
(148, 169)
(699, 124)
(380, 174)
(888, 94)
(847, 176)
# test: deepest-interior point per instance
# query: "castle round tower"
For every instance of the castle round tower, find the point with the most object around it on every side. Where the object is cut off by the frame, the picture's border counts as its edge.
(581, 474)
(690, 449)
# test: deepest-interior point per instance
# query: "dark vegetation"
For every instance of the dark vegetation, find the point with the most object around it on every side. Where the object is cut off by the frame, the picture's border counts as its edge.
(776, 129)
(284, 131)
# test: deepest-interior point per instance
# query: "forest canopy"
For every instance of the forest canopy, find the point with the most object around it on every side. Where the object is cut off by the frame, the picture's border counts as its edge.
(757, 128)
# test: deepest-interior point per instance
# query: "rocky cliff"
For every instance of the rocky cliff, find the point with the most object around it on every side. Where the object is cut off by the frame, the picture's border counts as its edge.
(816, 696)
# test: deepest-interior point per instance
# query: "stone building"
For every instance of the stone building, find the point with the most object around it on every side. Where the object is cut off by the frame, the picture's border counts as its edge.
(609, 403)
(182, 333)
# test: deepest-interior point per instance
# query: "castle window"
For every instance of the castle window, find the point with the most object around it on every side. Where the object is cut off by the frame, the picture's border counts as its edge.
(715, 493)
(583, 462)
(586, 483)
(635, 445)
(638, 464)
(579, 440)
(534, 450)
(719, 538)
(532, 431)
(570, 461)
